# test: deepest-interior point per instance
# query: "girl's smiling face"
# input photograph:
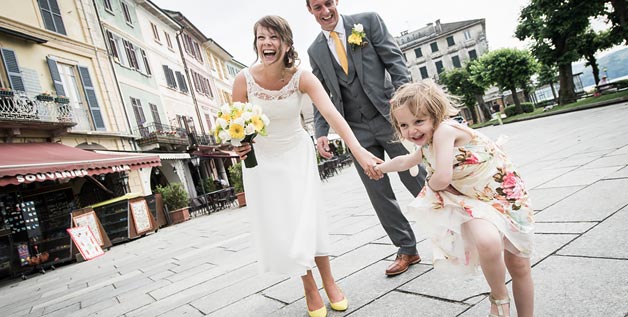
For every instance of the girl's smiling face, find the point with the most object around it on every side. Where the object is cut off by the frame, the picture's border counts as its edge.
(269, 46)
(417, 129)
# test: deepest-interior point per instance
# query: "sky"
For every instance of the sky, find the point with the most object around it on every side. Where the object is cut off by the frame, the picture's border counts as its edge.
(230, 22)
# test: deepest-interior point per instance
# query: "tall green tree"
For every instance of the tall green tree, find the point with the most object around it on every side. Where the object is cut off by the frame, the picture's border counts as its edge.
(553, 27)
(591, 42)
(619, 19)
(458, 82)
(506, 68)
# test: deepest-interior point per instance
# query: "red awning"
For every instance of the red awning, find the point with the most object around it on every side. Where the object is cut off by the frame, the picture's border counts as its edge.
(22, 163)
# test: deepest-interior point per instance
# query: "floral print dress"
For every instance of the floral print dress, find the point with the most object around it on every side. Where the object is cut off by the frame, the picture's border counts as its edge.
(492, 190)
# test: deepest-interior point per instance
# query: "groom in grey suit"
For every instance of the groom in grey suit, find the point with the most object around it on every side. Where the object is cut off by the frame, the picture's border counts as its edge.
(360, 85)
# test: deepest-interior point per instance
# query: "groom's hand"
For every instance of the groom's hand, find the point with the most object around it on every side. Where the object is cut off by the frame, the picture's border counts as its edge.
(322, 145)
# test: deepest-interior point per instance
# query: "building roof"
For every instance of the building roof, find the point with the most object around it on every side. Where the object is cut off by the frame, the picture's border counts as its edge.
(432, 31)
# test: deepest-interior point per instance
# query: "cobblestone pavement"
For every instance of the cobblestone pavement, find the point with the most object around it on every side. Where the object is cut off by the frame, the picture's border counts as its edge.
(575, 165)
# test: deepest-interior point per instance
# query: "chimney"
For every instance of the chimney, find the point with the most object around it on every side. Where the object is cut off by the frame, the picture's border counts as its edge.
(438, 27)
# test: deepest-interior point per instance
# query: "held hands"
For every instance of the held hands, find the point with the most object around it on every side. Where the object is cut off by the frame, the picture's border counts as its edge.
(368, 162)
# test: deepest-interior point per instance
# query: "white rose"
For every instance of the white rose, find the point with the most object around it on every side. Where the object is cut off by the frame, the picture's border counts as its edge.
(239, 121)
(265, 120)
(238, 106)
(222, 123)
(224, 135)
(257, 110)
(249, 129)
(248, 107)
(358, 27)
(225, 108)
(246, 116)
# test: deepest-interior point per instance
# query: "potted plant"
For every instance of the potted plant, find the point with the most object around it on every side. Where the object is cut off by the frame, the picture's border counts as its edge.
(235, 171)
(6, 92)
(62, 100)
(176, 199)
(45, 96)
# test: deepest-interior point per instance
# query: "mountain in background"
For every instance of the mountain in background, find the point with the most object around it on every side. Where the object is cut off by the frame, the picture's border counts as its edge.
(616, 64)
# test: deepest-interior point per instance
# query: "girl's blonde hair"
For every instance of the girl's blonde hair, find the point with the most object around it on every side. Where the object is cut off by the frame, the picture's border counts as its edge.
(424, 97)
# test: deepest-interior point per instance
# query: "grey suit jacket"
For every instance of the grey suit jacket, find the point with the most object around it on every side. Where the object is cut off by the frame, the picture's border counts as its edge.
(380, 66)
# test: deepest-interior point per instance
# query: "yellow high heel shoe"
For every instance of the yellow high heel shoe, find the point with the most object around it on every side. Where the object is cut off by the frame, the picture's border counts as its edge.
(321, 312)
(341, 305)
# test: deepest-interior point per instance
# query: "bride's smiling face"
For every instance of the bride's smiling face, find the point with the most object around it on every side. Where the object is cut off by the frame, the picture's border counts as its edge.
(269, 46)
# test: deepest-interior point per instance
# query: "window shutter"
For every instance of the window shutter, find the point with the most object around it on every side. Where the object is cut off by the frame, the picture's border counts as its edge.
(13, 69)
(51, 14)
(182, 85)
(92, 101)
(56, 78)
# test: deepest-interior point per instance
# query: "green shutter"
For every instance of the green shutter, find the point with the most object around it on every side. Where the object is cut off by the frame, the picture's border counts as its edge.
(92, 101)
(56, 77)
(13, 69)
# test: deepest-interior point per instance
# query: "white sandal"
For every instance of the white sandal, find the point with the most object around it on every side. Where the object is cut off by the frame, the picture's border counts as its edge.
(500, 308)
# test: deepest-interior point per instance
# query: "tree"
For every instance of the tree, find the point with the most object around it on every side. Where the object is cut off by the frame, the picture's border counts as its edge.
(554, 27)
(590, 43)
(548, 76)
(619, 18)
(458, 82)
(506, 68)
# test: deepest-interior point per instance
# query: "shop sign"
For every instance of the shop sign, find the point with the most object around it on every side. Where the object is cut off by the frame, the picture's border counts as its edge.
(121, 168)
(50, 176)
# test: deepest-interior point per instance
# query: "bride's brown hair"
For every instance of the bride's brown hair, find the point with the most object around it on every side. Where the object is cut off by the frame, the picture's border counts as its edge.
(281, 26)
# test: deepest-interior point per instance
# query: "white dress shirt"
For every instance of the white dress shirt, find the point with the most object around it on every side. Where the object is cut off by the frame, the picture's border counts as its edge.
(340, 29)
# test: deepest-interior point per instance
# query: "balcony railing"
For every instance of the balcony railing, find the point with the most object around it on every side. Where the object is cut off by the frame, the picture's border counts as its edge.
(157, 133)
(21, 108)
(204, 139)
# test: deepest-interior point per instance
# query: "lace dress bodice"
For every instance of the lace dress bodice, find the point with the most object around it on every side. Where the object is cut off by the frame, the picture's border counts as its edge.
(283, 108)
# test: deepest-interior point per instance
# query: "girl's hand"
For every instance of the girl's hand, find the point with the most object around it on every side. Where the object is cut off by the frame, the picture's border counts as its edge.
(367, 161)
(378, 173)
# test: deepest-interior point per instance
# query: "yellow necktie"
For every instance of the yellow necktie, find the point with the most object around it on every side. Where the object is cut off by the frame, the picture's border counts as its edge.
(340, 50)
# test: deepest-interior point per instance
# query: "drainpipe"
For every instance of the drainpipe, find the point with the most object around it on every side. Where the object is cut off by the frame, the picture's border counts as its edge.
(115, 76)
(187, 74)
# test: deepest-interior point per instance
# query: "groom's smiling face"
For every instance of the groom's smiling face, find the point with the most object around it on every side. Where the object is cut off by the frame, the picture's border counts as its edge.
(325, 13)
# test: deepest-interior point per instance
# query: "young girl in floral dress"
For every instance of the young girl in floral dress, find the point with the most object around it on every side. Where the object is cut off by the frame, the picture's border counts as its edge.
(475, 207)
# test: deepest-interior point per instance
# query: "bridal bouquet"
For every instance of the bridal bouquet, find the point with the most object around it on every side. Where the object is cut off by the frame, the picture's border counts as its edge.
(240, 122)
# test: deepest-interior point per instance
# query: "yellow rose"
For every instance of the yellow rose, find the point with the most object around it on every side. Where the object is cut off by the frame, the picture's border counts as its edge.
(355, 39)
(236, 131)
(258, 123)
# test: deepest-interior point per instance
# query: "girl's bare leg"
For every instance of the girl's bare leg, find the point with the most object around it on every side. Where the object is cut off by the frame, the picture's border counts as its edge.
(522, 285)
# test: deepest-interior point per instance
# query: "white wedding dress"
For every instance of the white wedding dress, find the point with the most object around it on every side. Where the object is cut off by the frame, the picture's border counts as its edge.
(282, 191)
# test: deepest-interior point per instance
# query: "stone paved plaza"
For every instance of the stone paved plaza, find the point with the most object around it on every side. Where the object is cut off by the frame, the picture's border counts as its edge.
(575, 165)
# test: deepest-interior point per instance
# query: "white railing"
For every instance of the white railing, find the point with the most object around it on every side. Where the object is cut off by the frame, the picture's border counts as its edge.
(23, 108)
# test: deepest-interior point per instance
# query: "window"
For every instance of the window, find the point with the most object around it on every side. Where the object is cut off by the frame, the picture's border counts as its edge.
(130, 54)
(51, 14)
(208, 119)
(183, 87)
(127, 13)
(450, 41)
(439, 67)
(201, 84)
(170, 80)
(155, 32)
(13, 73)
(434, 47)
(146, 69)
(417, 52)
(113, 47)
(423, 71)
(155, 113)
(467, 35)
(107, 4)
(456, 61)
(138, 111)
(191, 47)
(168, 40)
(473, 55)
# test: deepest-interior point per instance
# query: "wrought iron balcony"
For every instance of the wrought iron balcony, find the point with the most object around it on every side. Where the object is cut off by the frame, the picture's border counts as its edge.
(204, 139)
(17, 110)
(157, 135)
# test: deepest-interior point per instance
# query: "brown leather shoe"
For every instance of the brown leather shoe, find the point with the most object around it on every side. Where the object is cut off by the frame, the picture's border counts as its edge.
(402, 263)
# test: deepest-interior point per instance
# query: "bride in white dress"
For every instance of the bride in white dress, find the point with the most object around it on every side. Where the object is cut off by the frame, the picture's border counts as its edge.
(282, 191)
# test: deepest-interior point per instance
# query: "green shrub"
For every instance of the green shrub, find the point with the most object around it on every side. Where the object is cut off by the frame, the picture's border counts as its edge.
(235, 171)
(622, 83)
(527, 107)
(510, 111)
(175, 197)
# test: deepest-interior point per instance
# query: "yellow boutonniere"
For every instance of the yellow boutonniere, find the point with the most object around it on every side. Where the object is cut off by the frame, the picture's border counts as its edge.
(356, 39)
